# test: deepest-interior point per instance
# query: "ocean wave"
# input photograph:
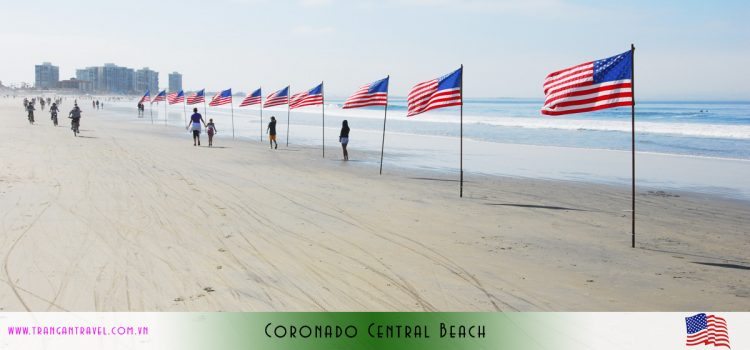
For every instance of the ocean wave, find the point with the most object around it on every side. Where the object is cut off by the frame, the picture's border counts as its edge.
(692, 129)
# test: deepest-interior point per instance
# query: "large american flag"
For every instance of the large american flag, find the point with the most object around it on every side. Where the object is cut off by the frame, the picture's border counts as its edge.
(436, 93)
(277, 98)
(146, 97)
(162, 96)
(221, 98)
(590, 86)
(197, 97)
(373, 94)
(252, 99)
(705, 329)
(176, 97)
(310, 97)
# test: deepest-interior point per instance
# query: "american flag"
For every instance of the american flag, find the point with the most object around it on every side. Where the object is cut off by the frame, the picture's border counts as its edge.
(252, 99)
(176, 97)
(373, 94)
(197, 97)
(310, 97)
(221, 98)
(436, 93)
(705, 329)
(590, 86)
(162, 96)
(146, 97)
(277, 98)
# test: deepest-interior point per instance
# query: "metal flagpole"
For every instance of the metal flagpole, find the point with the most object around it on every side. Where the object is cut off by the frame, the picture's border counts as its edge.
(461, 190)
(151, 111)
(184, 107)
(231, 105)
(260, 104)
(288, 93)
(205, 111)
(323, 107)
(632, 141)
(382, 145)
(166, 103)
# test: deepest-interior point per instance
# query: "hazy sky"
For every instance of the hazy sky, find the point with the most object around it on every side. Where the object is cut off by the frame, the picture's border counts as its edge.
(684, 49)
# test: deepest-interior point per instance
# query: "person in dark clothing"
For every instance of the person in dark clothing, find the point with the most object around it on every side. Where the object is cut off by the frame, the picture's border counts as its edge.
(30, 109)
(195, 125)
(271, 130)
(344, 138)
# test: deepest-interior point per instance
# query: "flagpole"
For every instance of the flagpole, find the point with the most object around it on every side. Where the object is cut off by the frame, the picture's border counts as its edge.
(260, 104)
(461, 189)
(323, 107)
(231, 105)
(385, 116)
(288, 93)
(151, 111)
(632, 142)
(184, 107)
(205, 110)
(166, 104)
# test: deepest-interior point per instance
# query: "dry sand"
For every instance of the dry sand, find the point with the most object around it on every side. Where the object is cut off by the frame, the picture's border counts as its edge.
(132, 217)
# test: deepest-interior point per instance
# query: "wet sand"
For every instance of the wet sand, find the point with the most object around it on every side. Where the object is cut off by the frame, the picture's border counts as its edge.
(132, 217)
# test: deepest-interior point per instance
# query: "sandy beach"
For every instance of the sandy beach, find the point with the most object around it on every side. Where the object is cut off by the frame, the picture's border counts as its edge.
(132, 217)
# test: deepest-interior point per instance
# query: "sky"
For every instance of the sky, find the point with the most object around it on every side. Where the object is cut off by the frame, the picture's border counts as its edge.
(684, 49)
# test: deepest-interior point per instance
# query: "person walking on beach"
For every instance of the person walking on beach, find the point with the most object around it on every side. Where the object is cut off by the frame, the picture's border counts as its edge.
(195, 125)
(271, 130)
(344, 138)
(211, 130)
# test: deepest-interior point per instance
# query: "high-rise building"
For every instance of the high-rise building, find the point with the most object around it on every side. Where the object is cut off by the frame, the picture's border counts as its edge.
(89, 75)
(110, 79)
(114, 79)
(175, 82)
(46, 76)
(146, 79)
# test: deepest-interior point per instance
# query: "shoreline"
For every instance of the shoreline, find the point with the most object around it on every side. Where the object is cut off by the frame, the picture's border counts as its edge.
(134, 218)
(655, 170)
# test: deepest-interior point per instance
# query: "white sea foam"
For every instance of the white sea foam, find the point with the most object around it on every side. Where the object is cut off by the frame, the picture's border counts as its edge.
(726, 131)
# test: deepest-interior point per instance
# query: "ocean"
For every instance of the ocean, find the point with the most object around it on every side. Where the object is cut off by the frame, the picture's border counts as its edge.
(698, 146)
(707, 128)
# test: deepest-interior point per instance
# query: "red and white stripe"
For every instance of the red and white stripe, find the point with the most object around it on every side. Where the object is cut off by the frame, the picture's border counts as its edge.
(159, 98)
(304, 99)
(218, 100)
(145, 98)
(572, 90)
(194, 98)
(363, 99)
(173, 99)
(425, 96)
(274, 100)
(250, 100)
(716, 334)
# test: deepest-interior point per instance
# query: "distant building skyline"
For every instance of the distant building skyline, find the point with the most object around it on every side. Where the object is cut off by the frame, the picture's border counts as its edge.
(175, 82)
(46, 76)
(146, 79)
(506, 46)
(109, 78)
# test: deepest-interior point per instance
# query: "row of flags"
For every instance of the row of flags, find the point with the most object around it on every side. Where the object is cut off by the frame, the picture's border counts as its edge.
(586, 87)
